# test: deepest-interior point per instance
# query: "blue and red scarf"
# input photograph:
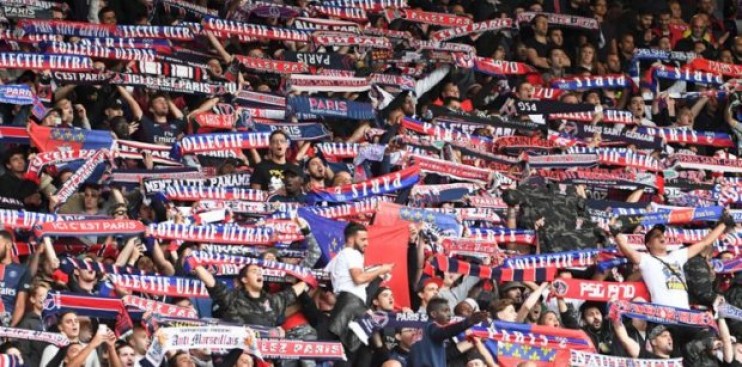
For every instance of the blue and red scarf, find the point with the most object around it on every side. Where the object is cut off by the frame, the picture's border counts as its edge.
(381, 185)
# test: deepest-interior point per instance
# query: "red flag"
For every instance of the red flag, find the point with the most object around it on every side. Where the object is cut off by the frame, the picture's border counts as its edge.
(389, 245)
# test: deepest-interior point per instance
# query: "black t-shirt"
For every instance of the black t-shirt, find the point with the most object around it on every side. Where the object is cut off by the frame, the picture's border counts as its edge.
(14, 190)
(542, 49)
(269, 175)
(163, 134)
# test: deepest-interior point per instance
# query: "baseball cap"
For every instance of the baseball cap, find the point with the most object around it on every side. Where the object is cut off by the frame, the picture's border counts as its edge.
(659, 329)
(293, 171)
(656, 230)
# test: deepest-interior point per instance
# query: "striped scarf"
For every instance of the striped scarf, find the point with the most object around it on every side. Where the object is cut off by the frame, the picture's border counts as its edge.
(497, 24)
(450, 265)
(233, 235)
(206, 259)
(660, 314)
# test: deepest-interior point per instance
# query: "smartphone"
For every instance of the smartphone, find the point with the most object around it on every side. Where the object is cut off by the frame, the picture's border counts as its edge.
(103, 329)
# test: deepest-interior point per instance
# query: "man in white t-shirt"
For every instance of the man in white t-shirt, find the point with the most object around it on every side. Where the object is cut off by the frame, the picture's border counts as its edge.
(661, 270)
(349, 281)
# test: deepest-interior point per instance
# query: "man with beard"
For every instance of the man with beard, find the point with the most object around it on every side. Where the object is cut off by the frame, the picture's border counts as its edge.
(268, 174)
(599, 330)
(316, 171)
(349, 280)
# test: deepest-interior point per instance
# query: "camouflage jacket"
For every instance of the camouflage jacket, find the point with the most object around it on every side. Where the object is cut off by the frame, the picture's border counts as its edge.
(700, 281)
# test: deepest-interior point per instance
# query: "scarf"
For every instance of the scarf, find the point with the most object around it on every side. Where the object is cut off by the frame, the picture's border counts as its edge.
(91, 306)
(160, 285)
(352, 14)
(466, 246)
(609, 81)
(486, 201)
(320, 60)
(620, 157)
(424, 17)
(641, 138)
(306, 275)
(158, 308)
(616, 179)
(497, 24)
(533, 335)
(688, 136)
(727, 310)
(185, 7)
(200, 143)
(41, 62)
(233, 235)
(673, 216)
(369, 5)
(547, 107)
(350, 210)
(368, 323)
(17, 94)
(250, 251)
(687, 161)
(41, 336)
(318, 24)
(584, 359)
(661, 55)
(100, 227)
(551, 94)
(660, 314)
(601, 291)
(715, 67)
(504, 235)
(472, 214)
(255, 30)
(70, 264)
(97, 52)
(561, 161)
(449, 135)
(196, 193)
(272, 66)
(207, 337)
(54, 157)
(167, 84)
(493, 67)
(566, 20)
(81, 175)
(687, 75)
(152, 185)
(168, 69)
(332, 107)
(322, 83)
(556, 260)
(608, 116)
(381, 185)
(456, 171)
(333, 39)
(268, 10)
(450, 265)
(447, 47)
(296, 132)
(727, 267)
(208, 122)
(80, 29)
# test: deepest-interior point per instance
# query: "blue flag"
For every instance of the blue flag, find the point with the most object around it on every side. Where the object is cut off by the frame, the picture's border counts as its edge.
(327, 232)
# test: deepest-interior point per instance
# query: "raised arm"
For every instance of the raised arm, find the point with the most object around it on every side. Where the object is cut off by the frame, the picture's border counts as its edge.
(361, 276)
(699, 246)
(135, 109)
(226, 56)
(631, 254)
(630, 345)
